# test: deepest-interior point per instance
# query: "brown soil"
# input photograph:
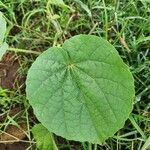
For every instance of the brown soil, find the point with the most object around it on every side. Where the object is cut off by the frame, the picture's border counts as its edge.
(10, 139)
(8, 71)
(12, 112)
(14, 137)
(14, 133)
(14, 146)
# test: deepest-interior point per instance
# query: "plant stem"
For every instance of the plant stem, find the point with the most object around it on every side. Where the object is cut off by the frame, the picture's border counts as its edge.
(84, 146)
(106, 20)
(137, 127)
(95, 146)
(23, 50)
(89, 146)
(54, 144)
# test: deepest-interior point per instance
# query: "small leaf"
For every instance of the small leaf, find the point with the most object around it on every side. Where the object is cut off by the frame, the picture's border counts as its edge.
(145, 1)
(2, 28)
(3, 49)
(81, 91)
(43, 137)
(85, 7)
(60, 3)
(143, 39)
(57, 2)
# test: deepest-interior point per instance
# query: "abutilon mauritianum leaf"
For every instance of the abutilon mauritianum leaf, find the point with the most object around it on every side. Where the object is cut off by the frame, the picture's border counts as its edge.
(82, 91)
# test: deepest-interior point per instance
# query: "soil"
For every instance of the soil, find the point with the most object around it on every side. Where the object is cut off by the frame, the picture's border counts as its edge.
(8, 71)
(8, 76)
(14, 133)
(14, 146)
(12, 113)
(11, 138)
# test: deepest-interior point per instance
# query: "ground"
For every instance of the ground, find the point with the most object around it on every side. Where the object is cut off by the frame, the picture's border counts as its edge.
(34, 26)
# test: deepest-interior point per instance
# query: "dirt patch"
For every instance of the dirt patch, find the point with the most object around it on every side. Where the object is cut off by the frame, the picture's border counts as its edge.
(12, 112)
(14, 137)
(14, 133)
(14, 146)
(8, 71)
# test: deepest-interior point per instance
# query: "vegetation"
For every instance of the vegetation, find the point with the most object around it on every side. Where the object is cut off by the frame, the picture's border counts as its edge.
(81, 91)
(34, 26)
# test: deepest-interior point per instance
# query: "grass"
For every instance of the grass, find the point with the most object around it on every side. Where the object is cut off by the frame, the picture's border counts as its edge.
(34, 26)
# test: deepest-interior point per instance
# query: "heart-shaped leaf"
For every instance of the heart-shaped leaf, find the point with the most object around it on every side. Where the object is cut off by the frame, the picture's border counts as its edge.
(82, 91)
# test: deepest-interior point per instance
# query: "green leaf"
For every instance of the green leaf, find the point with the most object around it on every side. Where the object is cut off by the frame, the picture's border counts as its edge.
(146, 145)
(143, 39)
(3, 46)
(2, 28)
(43, 137)
(60, 3)
(85, 7)
(3, 49)
(81, 91)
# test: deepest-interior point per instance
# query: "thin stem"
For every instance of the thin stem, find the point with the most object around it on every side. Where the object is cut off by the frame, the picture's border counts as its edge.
(23, 50)
(18, 140)
(54, 144)
(89, 146)
(106, 20)
(95, 146)
(15, 139)
(84, 146)
(137, 126)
